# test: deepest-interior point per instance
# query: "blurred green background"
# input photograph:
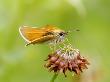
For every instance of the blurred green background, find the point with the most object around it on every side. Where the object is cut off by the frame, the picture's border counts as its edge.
(25, 64)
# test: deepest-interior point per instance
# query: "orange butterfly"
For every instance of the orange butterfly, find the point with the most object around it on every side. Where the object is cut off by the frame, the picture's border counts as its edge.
(48, 33)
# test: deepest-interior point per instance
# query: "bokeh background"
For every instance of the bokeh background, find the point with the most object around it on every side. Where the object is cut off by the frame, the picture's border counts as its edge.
(26, 64)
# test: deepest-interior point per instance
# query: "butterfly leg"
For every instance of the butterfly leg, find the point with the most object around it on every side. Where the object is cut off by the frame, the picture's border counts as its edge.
(32, 42)
(27, 44)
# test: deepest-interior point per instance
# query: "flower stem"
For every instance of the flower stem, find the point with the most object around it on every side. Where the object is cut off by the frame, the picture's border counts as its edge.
(54, 77)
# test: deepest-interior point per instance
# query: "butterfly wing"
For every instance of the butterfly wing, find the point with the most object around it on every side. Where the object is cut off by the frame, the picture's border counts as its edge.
(41, 40)
(34, 35)
(49, 28)
(52, 28)
(31, 33)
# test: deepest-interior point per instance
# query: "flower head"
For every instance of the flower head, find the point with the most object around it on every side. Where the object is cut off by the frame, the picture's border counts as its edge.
(65, 59)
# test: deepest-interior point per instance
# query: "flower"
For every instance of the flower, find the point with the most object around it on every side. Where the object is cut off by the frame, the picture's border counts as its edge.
(65, 59)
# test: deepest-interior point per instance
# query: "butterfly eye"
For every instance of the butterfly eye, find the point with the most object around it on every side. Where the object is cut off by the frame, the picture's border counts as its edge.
(61, 33)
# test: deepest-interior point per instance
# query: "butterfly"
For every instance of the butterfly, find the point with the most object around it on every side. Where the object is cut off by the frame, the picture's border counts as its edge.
(48, 33)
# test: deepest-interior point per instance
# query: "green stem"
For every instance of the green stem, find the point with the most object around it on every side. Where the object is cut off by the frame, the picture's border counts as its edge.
(54, 77)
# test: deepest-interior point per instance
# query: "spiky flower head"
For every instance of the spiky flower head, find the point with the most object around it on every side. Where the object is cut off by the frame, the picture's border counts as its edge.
(65, 59)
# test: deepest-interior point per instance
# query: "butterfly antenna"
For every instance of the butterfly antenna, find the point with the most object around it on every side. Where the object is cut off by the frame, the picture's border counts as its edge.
(75, 29)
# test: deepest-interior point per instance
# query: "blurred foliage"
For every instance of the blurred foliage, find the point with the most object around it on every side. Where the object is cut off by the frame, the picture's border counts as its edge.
(25, 64)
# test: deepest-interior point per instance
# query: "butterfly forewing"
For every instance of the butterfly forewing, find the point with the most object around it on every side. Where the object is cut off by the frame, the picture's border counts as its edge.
(36, 35)
(30, 34)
